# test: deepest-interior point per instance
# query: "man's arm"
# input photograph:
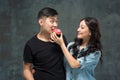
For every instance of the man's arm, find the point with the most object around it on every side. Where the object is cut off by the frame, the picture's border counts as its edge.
(27, 71)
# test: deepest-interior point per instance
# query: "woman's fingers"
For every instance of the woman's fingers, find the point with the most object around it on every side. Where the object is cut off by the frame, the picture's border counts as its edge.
(53, 36)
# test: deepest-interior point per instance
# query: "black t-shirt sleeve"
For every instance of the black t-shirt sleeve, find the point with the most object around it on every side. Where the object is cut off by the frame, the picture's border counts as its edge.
(65, 40)
(27, 55)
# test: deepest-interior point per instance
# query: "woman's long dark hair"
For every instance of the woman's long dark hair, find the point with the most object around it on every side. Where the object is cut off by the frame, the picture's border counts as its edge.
(94, 42)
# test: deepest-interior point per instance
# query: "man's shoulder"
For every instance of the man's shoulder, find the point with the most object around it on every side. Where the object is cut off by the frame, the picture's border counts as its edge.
(65, 40)
(32, 39)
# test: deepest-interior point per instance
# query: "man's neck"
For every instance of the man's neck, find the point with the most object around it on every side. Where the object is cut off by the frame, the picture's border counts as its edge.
(43, 36)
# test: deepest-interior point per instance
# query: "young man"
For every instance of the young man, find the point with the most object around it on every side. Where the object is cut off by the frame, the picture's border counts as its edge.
(39, 53)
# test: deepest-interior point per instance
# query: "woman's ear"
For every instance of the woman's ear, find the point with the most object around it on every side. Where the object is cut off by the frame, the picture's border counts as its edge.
(89, 33)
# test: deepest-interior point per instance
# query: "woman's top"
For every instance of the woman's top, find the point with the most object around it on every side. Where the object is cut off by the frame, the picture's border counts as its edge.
(87, 65)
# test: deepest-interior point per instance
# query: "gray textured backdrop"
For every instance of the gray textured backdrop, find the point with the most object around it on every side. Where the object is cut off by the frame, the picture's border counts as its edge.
(18, 23)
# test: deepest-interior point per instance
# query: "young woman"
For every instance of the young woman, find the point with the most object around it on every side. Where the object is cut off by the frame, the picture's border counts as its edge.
(83, 54)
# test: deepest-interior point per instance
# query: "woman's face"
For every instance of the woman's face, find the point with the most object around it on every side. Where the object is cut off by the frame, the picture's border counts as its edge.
(83, 31)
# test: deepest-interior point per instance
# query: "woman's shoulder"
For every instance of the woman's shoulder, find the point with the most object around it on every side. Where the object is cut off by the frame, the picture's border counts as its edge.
(70, 44)
(98, 52)
(95, 53)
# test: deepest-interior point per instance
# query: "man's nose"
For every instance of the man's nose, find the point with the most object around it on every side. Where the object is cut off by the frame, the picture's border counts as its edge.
(55, 24)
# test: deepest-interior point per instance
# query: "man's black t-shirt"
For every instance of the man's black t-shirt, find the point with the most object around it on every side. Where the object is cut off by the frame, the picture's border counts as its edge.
(47, 59)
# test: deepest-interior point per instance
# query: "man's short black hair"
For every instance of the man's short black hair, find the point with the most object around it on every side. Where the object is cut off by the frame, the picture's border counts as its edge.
(47, 12)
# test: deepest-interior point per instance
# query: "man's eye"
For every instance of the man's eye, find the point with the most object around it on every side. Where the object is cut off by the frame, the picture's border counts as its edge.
(51, 21)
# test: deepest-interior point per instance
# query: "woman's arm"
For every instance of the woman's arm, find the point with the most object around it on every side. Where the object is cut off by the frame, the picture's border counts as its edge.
(71, 60)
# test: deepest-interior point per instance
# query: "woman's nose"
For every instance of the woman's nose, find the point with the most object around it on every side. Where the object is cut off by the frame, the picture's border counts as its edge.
(78, 29)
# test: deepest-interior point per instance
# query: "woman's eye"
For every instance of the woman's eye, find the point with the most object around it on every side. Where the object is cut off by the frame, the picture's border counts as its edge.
(82, 27)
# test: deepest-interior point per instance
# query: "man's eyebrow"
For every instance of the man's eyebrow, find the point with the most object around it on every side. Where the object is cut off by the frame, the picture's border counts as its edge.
(51, 18)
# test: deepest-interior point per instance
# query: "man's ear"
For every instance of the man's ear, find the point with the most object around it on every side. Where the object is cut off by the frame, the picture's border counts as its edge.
(40, 21)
